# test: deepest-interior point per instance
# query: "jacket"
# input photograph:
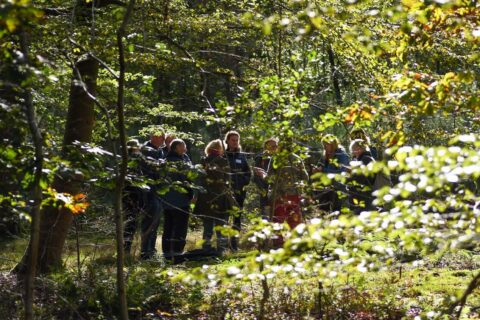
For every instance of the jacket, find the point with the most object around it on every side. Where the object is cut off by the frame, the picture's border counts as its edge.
(178, 177)
(154, 159)
(240, 170)
(263, 161)
(338, 164)
(361, 179)
(217, 197)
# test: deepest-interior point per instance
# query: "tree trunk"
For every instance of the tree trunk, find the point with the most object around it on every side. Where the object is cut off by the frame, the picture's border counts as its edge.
(120, 178)
(37, 190)
(333, 68)
(80, 119)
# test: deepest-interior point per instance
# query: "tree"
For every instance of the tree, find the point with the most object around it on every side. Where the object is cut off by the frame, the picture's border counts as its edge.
(57, 218)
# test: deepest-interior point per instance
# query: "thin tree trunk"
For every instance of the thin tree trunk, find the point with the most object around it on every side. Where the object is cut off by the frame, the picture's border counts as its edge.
(123, 167)
(37, 190)
(56, 221)
(333, 69)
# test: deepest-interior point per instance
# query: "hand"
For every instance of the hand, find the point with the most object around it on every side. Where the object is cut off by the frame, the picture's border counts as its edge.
(260, 172)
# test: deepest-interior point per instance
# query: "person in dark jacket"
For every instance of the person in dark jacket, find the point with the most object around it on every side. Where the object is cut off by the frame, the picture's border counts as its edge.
(335, 160)
(169, 137)
(359, 133)
(240, 173)
(361, 185)
(134, 198)
(214, 203)
(262, 165)
(176, 201)
(153, 152)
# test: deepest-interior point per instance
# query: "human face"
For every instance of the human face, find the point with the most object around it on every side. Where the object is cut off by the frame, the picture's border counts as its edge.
(181, 149)
(329, 149)
(357, 152)
(157, 140)
(233, 142)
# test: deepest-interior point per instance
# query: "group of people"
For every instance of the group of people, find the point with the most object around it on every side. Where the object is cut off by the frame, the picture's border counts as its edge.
(163, 181)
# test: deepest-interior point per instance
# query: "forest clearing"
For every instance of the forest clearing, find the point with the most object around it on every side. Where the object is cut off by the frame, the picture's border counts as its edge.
(277, 159)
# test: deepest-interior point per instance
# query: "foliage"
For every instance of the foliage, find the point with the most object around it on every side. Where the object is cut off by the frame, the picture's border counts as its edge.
(405, 71)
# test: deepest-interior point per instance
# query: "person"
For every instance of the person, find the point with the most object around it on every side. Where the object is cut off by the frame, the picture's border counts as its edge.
(214, 204)
(360, 185)
(176, 201)
(153, 148)
(359, 133)
(133, 200)
(289, 178)
(154, 155)
(169, 137)
(335, 160)
(262, 164)
(240, 173)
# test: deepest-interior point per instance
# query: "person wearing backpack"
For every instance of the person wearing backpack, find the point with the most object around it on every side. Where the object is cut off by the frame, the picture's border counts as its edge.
(360, 185)
(214, 204)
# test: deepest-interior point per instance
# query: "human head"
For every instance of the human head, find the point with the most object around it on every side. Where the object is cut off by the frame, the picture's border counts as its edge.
(232, 140)
(133, 146)
(214, 146)
(358, 147)
(157, 138)
(359, 133)
(178, 146)
(330, 144)
(270, 145)
(169, 138)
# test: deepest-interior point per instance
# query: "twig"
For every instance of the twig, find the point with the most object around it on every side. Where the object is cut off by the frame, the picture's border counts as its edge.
(461, 303)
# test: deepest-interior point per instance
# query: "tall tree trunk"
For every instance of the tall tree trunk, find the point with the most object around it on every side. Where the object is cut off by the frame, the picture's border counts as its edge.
(123, 167)
(333, 69)
(57, 220)
(37, 190)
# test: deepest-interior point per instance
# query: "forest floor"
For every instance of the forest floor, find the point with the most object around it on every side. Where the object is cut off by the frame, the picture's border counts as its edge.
(86, 288)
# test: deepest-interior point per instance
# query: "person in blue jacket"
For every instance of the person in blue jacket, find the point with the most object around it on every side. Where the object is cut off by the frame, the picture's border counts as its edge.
(335, 160)
(176, 201)
(240, 174)
(361, 185)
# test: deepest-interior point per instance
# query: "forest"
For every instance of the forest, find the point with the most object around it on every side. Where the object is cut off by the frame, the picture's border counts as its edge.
(355, 193)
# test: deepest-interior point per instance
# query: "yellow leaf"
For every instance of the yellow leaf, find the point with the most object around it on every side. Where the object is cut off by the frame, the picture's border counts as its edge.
(11, 24)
